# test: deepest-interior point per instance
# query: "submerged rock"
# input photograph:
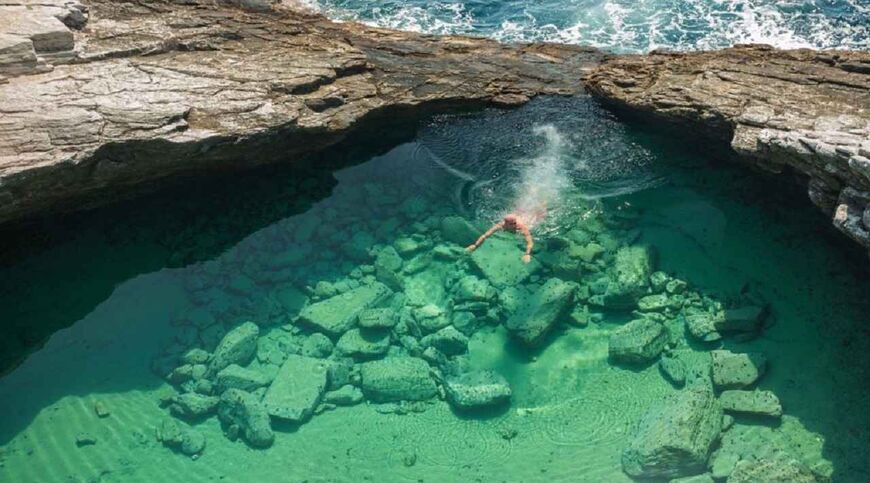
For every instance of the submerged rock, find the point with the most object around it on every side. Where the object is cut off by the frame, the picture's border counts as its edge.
(85, 439)
(674, 369)
(193, 405)
(238, 346)
(382, 318)
(477, 389)
(397, 379)
(245, 411)
(759, 403)
(364, 343)
(237, 377)
(448, 341)
(317, 345)
(458, 230)
(338, 314)
(734, 371)
(542, 310)
(346, 395)
(675, 436)
(779, 470)
(297, 389)
(632, 268)
(500, 261)
(638, 342)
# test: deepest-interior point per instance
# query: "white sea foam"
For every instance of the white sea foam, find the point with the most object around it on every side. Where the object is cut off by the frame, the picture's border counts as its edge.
(627, 25)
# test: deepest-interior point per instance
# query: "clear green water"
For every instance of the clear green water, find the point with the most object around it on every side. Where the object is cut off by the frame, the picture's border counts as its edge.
(115, 283)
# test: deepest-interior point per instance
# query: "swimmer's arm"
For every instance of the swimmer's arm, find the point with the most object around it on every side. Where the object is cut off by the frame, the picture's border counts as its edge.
(498, 226)
(527, 257)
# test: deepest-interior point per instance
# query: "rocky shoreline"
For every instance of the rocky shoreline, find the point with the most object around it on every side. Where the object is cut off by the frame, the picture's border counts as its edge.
(98, 97)
(796, 112)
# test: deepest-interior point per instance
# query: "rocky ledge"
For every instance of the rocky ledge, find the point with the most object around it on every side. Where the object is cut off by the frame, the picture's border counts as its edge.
(797, 111)
(98, 95)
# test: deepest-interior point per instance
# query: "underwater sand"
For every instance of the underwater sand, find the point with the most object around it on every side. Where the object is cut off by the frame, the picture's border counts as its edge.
(122, 278)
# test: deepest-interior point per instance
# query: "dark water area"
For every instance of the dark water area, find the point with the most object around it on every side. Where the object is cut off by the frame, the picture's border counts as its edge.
(101, 308)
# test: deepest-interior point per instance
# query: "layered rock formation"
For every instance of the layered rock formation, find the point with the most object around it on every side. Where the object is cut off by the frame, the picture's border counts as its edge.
(800, 110)
(147, 89)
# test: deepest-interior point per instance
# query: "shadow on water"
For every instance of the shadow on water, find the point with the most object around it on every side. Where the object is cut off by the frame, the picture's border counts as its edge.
(56, 269)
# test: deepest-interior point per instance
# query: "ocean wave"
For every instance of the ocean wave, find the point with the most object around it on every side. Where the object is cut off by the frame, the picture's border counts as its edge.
(626, 25)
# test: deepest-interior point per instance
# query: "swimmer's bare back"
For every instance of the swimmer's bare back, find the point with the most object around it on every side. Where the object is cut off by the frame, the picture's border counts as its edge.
(513, 224)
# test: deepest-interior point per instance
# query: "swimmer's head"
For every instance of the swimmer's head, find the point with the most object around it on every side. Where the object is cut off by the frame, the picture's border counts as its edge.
(510, 220)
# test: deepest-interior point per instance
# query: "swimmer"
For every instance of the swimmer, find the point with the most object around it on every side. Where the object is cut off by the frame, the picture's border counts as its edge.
(513, 224)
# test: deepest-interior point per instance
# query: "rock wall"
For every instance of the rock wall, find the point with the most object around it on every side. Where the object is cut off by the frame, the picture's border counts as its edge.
(798, 110)
(96, 98)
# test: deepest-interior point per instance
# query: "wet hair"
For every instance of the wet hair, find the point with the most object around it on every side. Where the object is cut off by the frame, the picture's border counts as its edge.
(511, 218)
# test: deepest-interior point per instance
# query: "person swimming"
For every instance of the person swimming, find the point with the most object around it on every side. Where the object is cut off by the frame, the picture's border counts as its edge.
(512, 223)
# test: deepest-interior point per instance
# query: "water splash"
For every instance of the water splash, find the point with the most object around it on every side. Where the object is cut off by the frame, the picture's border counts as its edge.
(543, 179)
(626, 25)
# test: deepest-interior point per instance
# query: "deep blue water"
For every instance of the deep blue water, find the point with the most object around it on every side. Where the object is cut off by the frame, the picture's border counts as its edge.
(626, 25)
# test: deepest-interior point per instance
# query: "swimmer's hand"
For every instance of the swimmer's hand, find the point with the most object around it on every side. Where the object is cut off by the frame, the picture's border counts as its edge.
(527, 258)
(471, 248)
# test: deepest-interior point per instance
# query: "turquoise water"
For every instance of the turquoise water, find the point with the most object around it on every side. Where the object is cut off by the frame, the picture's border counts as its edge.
(98, 307)
(626, 25)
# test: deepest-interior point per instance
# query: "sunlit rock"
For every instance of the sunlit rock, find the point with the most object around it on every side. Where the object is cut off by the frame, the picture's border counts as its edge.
(338, 314)
(541, 310)
(477, 389)
(638, 342)
(397, 379)
(758, 403)
(675, 436)
(363, 343)
(297, 389)
(734, 371)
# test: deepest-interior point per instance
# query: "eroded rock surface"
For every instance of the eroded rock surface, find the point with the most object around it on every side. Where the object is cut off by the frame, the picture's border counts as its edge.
(795, 110)
(144, 90)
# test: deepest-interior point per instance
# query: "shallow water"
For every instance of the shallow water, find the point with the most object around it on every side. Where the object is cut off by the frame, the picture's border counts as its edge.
(122, 280)
(625, 25)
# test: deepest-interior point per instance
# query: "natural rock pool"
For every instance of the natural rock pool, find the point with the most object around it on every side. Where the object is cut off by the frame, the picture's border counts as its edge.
(323, 322)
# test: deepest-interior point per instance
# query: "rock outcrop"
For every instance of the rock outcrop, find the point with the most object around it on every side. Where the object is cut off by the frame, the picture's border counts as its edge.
(101, 96)
(798, 111)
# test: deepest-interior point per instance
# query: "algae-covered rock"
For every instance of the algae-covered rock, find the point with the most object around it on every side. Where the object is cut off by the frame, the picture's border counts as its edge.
(297, 389)
(346, 395)
(632, 268)
(193, 405)
(448, 340)
(245, 410)
(477, 389)
(238, 346)
(675, 436)
(170, 433)
(363, 343)
(759, 403)
(380, 318)
(674, 369)
(317, 345)
(580, 316)
(705, 478)
(638, 342)
(430, 318)
(397, 379)
(458, 230)
(193, 443)
(471, 288)
(771, 471)
(734, 371)
(500, 261)
(542, 310)
(654, 303)
(236, 377)
(702, 325)
(337, 314)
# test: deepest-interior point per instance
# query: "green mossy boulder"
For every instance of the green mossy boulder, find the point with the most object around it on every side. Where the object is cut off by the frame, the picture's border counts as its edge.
(638, 342)
(780, 470)
(674, 369)
(541, 310)
(380, 318)
(477, 389)
(246, 412)
(317, 345)
(297, 389)
(397, 379)
(346, 395)
(238, 346)
(675, 436)
(734, 371)
(193, 405)
(449, 341)
(338, 314)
